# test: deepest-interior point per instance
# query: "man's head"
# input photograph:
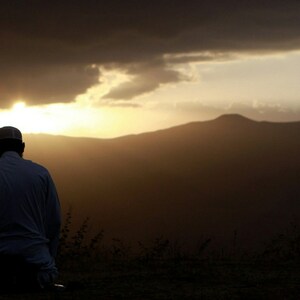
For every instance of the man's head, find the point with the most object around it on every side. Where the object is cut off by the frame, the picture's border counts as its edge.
(11, 140)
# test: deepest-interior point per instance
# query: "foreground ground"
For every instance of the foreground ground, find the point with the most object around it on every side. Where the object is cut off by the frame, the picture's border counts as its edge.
(177, 279)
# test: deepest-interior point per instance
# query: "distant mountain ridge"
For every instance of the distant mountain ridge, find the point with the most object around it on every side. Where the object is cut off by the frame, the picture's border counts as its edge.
(203, 178)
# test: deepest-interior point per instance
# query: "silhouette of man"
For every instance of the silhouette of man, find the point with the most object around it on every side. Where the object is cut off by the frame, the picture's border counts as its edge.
(29, 217)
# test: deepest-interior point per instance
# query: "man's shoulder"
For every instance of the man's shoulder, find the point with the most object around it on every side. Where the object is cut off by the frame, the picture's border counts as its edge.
(35, 166)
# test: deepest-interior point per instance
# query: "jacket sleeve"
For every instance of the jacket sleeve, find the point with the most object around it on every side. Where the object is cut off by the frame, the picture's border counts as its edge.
(53, 217)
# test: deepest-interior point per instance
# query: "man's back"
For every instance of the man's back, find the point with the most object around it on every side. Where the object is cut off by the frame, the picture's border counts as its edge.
(29, 209)
(25, 212)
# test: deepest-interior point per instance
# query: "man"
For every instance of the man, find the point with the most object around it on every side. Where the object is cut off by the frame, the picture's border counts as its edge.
(29, 217)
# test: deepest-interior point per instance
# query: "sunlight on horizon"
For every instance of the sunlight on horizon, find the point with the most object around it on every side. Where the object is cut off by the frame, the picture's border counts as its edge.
(51, 119)
(77, 120)
(259, 87)
(82, 117)
(30, 119)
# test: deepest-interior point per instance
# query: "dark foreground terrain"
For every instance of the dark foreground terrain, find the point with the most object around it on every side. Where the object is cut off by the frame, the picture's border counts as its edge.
(187, 279)
(93, 268)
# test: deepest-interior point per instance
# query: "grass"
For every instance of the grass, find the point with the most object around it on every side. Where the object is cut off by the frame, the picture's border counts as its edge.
(188, 279)
(163, 270)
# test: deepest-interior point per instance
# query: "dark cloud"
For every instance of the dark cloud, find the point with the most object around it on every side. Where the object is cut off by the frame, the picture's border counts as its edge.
(144, 78)
(45, 84)
(58, 40)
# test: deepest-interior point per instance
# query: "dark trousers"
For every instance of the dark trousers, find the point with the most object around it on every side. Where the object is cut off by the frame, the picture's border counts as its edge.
(17, 275)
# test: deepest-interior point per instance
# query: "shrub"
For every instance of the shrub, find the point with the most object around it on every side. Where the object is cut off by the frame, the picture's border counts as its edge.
(75, 245)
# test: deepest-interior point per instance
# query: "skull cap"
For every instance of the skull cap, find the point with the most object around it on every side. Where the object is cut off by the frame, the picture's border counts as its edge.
(9, 132)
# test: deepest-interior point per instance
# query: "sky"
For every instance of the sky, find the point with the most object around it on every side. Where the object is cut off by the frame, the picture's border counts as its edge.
(111, 68)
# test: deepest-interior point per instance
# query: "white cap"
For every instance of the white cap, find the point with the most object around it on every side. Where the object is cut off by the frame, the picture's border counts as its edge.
(9, 132)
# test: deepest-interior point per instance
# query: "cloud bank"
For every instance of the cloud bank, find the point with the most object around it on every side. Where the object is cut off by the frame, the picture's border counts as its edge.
(48, 48)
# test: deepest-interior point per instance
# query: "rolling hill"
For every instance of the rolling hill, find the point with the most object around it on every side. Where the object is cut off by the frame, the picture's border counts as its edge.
(204, 178)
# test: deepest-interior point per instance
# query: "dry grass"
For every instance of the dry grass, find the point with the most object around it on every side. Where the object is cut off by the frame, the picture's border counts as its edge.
(163, 270)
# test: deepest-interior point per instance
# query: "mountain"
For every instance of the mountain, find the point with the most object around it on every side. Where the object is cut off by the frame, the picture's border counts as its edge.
(209, 178)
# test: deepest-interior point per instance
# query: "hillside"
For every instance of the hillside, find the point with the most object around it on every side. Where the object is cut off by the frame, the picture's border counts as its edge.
(204, 178)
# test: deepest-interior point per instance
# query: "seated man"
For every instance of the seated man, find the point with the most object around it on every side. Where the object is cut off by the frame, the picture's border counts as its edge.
(29, 218)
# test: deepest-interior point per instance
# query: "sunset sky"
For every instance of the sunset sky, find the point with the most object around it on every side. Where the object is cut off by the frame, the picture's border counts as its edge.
(110, 68)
